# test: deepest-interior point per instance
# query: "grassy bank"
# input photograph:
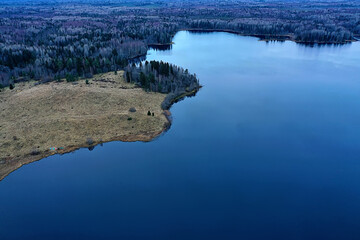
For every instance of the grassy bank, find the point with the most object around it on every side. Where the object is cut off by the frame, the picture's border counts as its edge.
(59, 117)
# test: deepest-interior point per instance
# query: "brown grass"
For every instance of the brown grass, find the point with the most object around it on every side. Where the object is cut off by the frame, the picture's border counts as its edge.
(64, 115)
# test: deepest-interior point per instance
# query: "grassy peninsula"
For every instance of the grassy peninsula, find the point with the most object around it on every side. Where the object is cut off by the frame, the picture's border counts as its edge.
(39, 120)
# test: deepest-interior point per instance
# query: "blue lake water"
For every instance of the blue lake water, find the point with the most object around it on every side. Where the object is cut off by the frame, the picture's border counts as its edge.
(268, 149)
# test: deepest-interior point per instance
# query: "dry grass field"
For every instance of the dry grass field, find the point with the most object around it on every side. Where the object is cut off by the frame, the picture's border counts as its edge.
(67, 116)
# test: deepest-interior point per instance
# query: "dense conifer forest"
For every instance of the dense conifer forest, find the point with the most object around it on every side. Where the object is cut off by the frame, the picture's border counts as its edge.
(162, 77)
(57, 39)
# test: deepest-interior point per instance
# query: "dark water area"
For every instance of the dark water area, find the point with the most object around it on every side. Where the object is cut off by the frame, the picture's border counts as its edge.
(269, 148)
(160, 47)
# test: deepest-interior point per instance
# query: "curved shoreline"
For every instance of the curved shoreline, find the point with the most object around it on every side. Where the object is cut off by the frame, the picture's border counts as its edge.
(9, 165)
(262, 37)
(16, 163)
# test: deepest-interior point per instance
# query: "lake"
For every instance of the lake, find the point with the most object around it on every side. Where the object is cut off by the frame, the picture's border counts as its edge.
(269, 148)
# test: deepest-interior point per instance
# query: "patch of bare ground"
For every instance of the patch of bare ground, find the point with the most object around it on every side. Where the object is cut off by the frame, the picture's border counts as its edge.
(68, 116)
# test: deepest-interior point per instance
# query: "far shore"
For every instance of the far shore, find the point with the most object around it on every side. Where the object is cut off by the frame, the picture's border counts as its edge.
(267, 37)
(262, 37)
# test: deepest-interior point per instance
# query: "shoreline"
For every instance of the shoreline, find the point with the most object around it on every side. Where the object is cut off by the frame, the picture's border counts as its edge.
(142, 134)
(268, 37)
(262, 37)
(17, 163)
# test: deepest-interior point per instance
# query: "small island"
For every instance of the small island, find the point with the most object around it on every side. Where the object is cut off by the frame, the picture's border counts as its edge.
(39, 120)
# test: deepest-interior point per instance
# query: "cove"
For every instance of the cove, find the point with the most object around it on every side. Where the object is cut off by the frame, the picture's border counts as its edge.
(267, 149)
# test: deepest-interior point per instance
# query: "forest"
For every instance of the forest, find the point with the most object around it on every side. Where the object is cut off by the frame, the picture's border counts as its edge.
(162, 77)
(75, 38)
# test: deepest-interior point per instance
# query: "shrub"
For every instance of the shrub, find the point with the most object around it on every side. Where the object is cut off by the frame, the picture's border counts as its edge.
(90, 141)
(128, 77)
(87, 81)
(57, 78)
(12, 86)
(70, 78)
(129, 118)
(149, 113)
(35, 152)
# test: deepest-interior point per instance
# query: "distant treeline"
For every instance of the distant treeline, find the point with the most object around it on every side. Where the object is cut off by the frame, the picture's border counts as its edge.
(80, 38)
(162, 77)
(297, 32)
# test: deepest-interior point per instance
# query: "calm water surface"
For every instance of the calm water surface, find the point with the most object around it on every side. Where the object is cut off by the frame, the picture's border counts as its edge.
(268, 149)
